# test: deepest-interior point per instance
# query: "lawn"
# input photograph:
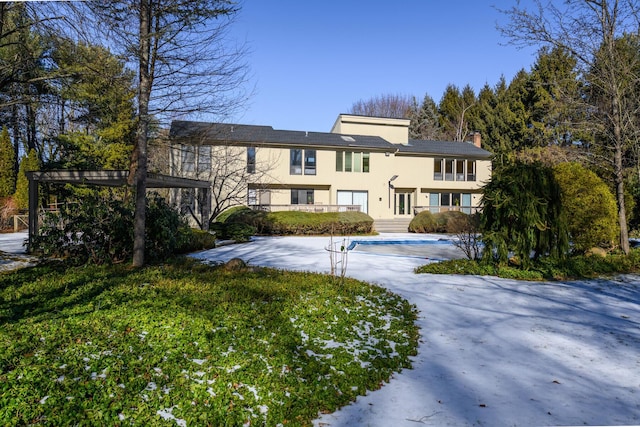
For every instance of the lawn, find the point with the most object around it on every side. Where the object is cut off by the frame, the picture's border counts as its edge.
(190, 344)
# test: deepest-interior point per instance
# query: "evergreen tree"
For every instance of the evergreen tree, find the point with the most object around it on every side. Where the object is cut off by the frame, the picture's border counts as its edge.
(424, 120)
(522, 214)
(7, 165)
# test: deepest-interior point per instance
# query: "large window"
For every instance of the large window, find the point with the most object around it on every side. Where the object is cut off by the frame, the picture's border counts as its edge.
(454, 169)
(353, 161)
(297, 155)
(251, 159)
(440, 202)
(301, 196)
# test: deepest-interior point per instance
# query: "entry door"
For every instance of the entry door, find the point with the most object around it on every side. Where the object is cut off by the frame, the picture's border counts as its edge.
(402, 203)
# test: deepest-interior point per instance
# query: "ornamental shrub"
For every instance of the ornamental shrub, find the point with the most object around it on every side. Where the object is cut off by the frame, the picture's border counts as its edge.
(442, 222)
(589, 206)
(98, 229)
(296, 223)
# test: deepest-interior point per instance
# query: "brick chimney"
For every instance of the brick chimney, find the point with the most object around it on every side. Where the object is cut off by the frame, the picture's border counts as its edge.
(477, 139)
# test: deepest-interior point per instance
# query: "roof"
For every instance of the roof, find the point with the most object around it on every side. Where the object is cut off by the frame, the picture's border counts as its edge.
(216, 133)
(443, 148)
(211, 133)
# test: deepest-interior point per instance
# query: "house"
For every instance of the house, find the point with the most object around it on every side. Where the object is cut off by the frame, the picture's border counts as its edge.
(364, 163)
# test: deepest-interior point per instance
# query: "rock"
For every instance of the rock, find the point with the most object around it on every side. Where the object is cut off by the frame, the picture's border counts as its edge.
(235, 264)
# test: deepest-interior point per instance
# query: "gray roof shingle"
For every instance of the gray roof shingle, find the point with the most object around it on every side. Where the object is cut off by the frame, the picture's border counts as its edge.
(211, 133)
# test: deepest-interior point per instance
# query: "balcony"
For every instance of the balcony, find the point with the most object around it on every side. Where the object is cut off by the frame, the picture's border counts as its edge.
(307, 208)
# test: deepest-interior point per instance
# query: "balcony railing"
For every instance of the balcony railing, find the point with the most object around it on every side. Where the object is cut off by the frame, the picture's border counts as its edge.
(307, 208)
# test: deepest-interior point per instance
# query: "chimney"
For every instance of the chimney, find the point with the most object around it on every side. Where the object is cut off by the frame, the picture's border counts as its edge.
(477, 139)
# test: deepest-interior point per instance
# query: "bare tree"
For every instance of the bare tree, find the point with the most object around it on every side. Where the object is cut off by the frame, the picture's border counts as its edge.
(391, 106)
(234, 171)
(593, 31)
(184, 67)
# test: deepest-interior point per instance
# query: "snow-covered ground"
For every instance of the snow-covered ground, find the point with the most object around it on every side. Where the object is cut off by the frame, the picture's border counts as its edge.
(493, 352)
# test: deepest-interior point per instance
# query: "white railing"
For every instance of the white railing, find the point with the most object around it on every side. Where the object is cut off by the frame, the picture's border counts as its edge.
(307, 208)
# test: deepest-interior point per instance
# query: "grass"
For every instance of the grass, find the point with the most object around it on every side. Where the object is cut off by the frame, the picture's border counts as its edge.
(190, 344)
(575, 267)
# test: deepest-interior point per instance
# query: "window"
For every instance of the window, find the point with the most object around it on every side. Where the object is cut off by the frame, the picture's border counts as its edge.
(353, 161)
(437, 169)
(448, 170)
(365, 162)
(301, 196)
(309, 162)
(251, 159)
(204, 158)
(296, 162)
(440, 202)
(460, 170)
(454, 170)
(188, 158)
(471, 170)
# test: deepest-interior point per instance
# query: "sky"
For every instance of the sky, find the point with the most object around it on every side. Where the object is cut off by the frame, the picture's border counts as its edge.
(312, 60)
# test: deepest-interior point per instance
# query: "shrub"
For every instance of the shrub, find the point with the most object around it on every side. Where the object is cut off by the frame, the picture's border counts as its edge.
(443, 222)
(296, 223)
(193, 239)
(589, 206)
(99, 229)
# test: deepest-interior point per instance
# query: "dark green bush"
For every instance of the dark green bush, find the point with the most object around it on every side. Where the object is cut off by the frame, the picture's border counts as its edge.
(99, 229)
(443, 222)
(575, 267)
(297, 223)
(193, 239)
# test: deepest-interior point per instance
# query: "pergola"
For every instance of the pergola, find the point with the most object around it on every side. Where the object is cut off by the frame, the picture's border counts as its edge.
(110, 178)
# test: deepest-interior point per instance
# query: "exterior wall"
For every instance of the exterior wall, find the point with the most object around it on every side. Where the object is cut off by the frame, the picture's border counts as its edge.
(395, 131)
(414, 176)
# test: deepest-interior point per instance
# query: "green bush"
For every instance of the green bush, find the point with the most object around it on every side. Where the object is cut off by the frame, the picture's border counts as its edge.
(443, 222)
(99, 229)
(298, 223)
(589, 206)
(574, 267)
(193, 239)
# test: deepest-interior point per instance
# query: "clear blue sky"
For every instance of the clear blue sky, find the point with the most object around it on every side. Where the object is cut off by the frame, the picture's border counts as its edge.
(312, 59)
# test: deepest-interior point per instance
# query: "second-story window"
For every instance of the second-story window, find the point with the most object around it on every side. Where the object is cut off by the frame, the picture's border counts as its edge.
(352, 161)
(295, 164)
(309, 162)
(454, 170)
(297, 157)
(251, 159)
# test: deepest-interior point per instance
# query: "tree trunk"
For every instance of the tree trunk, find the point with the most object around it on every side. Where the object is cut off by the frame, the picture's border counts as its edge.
(144, 92)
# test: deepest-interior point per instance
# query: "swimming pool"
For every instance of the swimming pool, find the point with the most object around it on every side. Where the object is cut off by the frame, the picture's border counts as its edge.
(431, 249)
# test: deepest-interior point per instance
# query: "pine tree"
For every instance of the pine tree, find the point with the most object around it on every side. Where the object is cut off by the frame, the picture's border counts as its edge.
(7, 164)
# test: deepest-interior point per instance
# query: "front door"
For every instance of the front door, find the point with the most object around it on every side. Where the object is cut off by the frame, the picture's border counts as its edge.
(402, 204)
